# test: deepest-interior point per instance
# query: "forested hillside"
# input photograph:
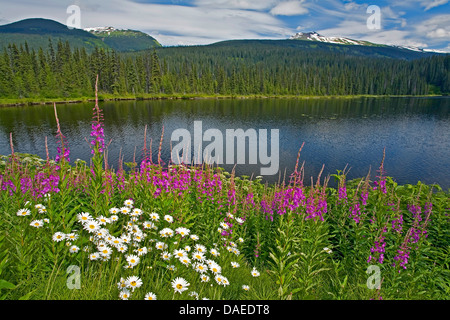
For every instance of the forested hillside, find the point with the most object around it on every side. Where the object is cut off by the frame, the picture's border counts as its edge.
(57, 70)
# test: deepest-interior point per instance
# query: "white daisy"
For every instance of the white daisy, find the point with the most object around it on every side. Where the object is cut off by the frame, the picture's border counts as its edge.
(204, 278)
(168, 218)
(84, 217)
(91, 226)
(133, 282)
(245, 287)
(125, 210)
(23, 212)
(179, 285)
(235, 264)
(94, 256)
(124, 294)
(255, 272)
(154, 216)
(114, 210)
(182, 231)
(37, 223)
(150, 296)
(128, 203)
(58, 236)
(133, 260)
(194, 237)
(74, 249)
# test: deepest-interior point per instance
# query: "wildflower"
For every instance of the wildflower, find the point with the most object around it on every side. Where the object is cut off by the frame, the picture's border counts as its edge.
(105, 251)
(214, 252)
(255, 272)
(132, 260)
(84, 217)
(91, 226)
(245, 287)
(133, 282)
(230, 215)
(239, 220)
(154, 216)
(219, 279)
(114, 218)
(235, 264)
(148, 225)
(236, 251)
(194, 237)
(122, 248)
(241, 240)
(161, 246)
(103, 220)
(180, 285)
(150, 296)
(136, 212)
(327, 250)
(185, 260)
(224, 226)
(46, 220)
(171, 267)
(198, 256)
(42, 210)
(59, 236)
(193, 294)
(74, 249)
(187, 248)
(168, 218)
(122, 284)
(141, 251)
(128, 203)
(23, 212)
(204, 278)
(182, 231)
(114, 210)
(124, 294)
(72, 236)
(200, 248)
(37, 223)
(215, 268)
(125, 210)
(200, 267)
(94, 256)
(38, 206)
(166, 256)
(166, 233)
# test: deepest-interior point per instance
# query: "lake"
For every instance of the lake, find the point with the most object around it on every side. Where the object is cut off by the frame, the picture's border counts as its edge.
(336, 132)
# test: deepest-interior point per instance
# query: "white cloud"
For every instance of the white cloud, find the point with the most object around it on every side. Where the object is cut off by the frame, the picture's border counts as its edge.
(237, 4)
(433, 4)
(289, 8)
(174, 23)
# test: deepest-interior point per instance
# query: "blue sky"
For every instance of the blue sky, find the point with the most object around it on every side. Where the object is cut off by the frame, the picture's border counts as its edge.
(421, 23)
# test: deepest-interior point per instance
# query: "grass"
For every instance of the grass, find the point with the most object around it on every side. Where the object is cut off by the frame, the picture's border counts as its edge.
(4, 102)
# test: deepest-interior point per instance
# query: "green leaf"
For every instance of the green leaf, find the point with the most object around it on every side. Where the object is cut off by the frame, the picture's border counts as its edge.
(6, 285)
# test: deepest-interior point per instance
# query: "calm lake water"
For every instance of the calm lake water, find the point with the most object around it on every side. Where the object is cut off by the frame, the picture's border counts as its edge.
(336, 132)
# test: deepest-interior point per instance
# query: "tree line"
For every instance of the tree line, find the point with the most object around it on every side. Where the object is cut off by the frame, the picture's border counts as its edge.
(58, 70)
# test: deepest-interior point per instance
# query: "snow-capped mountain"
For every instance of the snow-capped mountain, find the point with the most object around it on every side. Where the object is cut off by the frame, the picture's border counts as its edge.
(314, 36)
(100, 29)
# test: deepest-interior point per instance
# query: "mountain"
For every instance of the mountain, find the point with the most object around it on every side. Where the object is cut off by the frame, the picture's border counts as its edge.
(124, 40)
(314, 36)
(36, 32)
(306, 45)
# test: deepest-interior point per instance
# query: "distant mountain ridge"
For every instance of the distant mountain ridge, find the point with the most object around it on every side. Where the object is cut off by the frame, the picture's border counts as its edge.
(314, 36)
(37, 31)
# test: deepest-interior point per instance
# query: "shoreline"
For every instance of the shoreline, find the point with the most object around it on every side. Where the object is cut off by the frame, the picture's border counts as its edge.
(106, 98)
